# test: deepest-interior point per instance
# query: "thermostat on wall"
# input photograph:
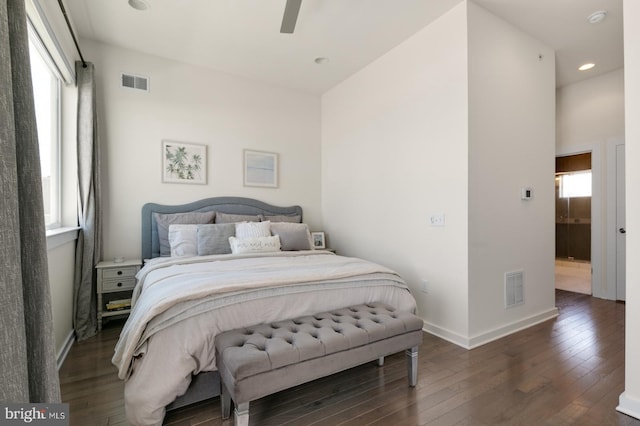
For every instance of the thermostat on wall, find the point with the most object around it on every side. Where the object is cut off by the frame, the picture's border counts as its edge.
(527, 193)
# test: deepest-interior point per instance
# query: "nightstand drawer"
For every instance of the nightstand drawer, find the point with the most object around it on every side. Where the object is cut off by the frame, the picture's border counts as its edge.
(124, 272)
(117, 285)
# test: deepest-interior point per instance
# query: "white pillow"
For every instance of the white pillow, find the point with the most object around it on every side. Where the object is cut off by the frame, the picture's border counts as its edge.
(254, 245)
(183, 240)
(253, 230)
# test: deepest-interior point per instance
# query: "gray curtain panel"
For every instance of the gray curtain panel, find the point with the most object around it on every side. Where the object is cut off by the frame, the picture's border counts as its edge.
(88, 249)
(27, 348)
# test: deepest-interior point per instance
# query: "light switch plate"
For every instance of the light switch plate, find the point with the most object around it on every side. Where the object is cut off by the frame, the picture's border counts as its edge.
(437, 219)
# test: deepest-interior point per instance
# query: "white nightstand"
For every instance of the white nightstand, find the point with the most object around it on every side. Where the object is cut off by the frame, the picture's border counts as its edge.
(115, 285)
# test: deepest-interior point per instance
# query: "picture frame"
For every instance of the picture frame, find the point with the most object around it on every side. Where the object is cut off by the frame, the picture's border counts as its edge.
(318, 240)
(184, 162)
(260, 168)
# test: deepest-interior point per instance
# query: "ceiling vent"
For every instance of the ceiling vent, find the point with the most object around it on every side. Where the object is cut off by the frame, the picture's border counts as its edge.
(513, 289)
(132, 81)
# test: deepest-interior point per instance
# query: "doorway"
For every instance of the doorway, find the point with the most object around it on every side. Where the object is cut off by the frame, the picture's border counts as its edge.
(573, 223)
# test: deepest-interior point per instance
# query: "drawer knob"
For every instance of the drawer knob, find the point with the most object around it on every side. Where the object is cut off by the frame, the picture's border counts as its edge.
(119, 272)
(119, 284)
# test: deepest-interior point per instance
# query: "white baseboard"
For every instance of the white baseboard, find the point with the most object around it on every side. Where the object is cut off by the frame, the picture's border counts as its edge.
(489, 336)
(514, 327)
(64, 350)
(448, 335)
(629, 405)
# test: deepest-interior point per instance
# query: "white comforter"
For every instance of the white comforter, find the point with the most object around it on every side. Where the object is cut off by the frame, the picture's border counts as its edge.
(180, 305)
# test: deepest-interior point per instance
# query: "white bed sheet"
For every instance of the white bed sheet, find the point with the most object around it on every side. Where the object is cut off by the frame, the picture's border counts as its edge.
(173, 353)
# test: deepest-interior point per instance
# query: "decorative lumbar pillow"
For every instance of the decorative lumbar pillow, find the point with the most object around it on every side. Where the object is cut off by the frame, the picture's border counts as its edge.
(233, 218)
(183, 240)
(293, 236)
(164, 220)
(254, 245)
(253, 229)
(214, 238)
(282, 218)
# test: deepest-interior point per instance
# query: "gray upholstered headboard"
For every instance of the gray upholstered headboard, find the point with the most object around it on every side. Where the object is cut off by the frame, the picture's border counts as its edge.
(231, 205)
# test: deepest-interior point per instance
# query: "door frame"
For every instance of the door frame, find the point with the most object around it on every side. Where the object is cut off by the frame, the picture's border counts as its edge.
(612, 227)
(598, 284)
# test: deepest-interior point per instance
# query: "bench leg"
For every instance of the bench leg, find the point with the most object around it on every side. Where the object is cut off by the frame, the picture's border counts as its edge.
(225, 401)
(380, 361)
(242, 414)
(412, 365)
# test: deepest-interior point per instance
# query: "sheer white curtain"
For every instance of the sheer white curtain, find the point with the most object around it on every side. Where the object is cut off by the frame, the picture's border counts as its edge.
(27, 348)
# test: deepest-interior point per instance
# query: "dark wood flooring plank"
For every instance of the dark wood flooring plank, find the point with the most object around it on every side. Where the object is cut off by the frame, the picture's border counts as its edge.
(566, 371)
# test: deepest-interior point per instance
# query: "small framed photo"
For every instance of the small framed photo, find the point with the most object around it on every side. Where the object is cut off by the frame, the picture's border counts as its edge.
(318, 240)
(184, 162)
(260, 169)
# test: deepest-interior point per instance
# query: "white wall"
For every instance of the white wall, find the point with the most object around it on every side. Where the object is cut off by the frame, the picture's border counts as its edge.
(424, 130)
(394, 152)
(590, 117)
(192, 104)
(511, 146)
(61, 269)
(630, 399)
(591, 111)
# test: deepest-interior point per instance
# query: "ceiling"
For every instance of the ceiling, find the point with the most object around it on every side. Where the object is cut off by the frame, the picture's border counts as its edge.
(243, 37)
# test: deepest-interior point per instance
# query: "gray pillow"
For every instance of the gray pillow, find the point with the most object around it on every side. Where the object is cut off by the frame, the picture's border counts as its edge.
(282, 218)
(233, 218)
(214, 238)
(164, 220)
(293, 236)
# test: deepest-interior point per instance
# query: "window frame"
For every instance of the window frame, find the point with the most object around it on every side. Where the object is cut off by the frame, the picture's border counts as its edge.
(56, 134)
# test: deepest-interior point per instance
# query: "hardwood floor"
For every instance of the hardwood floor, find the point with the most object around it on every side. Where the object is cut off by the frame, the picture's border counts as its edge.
(565, 371)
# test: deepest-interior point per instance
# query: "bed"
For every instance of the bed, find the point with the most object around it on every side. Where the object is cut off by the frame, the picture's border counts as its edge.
(182, 301)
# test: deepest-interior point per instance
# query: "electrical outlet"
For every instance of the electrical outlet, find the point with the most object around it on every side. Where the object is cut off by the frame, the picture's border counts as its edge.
(424, 285)
(437, 219)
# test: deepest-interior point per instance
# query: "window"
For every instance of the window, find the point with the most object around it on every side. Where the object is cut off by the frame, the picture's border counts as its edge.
(46, 93)
(575, 184)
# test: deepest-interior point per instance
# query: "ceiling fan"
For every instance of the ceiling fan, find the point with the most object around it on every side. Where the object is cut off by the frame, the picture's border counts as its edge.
(290, 16)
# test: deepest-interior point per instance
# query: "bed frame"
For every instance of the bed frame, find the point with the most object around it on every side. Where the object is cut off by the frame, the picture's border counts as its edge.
(230, 205)
(204, 385)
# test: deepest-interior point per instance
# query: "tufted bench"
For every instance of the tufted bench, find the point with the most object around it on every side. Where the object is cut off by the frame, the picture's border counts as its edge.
(263, 359)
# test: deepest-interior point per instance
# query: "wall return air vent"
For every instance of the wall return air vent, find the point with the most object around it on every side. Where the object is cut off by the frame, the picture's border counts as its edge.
(132, 81)
(513, 289)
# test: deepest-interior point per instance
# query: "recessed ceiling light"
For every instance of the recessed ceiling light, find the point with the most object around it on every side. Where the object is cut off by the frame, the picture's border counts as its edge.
(586, 67)
(139, 4)
(597, 17)
(321, 60)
